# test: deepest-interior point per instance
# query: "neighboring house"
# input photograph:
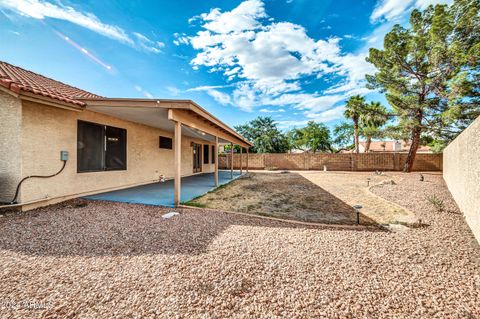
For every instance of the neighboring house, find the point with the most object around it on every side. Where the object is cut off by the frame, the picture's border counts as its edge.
(110, 143)
(389, 146)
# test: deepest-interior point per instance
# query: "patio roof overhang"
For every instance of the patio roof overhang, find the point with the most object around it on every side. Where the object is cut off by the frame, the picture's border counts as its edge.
(183, 117)
(163, 114)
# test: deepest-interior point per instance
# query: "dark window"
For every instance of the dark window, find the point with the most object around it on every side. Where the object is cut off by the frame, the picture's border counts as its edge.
(115, 150)
(165, 142)
(100, 147)
(213, 154)
(90, 150)
(205, 153)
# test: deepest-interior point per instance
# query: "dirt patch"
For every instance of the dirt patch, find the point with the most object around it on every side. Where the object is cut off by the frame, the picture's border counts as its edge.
(288, 195)
(354, 188)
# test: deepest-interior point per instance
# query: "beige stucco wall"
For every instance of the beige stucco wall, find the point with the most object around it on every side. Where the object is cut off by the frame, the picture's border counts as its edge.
(461, 172)
(48, 130)
(10, 147)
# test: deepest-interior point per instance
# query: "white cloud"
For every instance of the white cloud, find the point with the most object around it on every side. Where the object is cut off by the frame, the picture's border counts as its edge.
(319, 103)
(396, 9)
(212, 90)
(328, 115)
(272, 56)
(244, 17)
(147, 44)
(173, 90)
(180, 39)
(267, 62)
(139, 89)
(220, 97)
(323, 117)
(40, 10)
(271, 111)
(390, 9)
(205, 88)
(423, 4)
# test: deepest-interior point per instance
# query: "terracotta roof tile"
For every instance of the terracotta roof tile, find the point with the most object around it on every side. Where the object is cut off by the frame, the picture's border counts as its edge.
(17, 79)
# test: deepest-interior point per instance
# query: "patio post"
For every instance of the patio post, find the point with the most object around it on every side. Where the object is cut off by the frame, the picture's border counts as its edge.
(231, 162)
(241, 160)
(215, 154)
(178, 161)
(247, 159)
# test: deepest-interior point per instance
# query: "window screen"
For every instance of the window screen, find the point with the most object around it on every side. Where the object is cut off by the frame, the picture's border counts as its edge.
(165, 142)
(213, 154)
(90, 150)
(100, 147)
(205, 154)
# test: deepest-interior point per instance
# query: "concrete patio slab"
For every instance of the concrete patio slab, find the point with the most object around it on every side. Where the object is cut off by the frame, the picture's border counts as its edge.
(161, 194)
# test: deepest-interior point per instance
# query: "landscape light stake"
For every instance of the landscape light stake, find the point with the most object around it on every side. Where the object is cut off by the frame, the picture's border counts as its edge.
(357, 210)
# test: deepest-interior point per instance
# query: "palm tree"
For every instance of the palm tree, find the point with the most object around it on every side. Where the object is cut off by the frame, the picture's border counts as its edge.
(372, 119)
(353, 110)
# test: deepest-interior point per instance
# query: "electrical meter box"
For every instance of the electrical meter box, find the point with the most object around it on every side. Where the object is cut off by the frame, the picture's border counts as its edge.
(64, 155)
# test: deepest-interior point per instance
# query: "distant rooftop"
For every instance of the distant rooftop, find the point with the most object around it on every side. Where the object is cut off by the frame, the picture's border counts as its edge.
(393, 146)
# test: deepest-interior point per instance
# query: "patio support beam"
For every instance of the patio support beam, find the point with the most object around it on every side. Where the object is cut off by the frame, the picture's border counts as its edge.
(215, 154)
(247, 159)
(190, 120)
(178, 161)
(231, 160)
(241, 160)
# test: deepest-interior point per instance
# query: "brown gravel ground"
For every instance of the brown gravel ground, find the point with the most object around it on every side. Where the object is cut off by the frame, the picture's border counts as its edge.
(118, 260)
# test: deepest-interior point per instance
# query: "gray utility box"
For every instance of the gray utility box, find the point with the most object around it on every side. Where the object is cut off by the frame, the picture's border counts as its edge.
(64, 155)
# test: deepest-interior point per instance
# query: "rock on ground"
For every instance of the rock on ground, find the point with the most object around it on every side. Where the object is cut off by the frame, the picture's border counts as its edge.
(107, 260)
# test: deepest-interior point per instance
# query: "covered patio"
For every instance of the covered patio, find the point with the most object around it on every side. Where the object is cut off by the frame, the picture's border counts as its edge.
(186, 120)
(162, 194)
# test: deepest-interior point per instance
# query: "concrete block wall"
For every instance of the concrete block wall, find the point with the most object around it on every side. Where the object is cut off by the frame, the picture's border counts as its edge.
(335, 162)
(286, 161)
(461, 160)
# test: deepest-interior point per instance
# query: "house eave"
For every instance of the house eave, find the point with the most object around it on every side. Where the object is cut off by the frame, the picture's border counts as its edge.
(166, 104)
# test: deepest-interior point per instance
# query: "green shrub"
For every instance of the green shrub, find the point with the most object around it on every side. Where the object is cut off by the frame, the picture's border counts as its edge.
(437, 203)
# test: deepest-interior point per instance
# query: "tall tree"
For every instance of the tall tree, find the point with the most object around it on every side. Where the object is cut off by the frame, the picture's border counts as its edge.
(375, 115)
(265, 135)
(312, 137)
(353, 110)
(343, 136)
(430, 71)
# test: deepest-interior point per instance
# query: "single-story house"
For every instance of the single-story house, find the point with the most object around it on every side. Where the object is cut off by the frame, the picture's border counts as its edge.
(392, 146)
(389, 146)
(93, 144)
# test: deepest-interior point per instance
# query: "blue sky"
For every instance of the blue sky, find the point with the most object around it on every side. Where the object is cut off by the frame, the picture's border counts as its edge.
(294, 60)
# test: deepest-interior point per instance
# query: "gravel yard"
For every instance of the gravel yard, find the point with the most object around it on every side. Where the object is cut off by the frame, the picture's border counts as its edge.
(107, 260)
